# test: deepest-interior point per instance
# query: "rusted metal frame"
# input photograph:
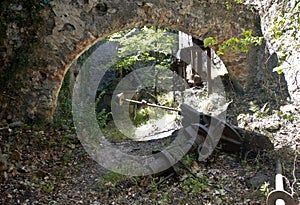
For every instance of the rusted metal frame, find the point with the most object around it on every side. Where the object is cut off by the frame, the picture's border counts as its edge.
(199, 64)
(229, 133)
(193, 116)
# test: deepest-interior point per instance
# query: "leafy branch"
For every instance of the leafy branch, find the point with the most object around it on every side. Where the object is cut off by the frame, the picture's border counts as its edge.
(143, 40)
(241, 44)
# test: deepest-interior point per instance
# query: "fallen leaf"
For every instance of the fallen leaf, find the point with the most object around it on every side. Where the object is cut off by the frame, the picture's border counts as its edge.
(15, 155)
(3, 164)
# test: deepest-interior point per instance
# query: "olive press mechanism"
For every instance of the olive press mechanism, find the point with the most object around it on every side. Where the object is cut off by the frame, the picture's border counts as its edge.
(199, 121)
(231, 140)
(279, 196)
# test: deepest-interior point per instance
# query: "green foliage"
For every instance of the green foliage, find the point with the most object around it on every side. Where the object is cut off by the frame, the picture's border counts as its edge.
(230, 44)
(259, 112)
(235, 43)
(289, 117)
(144, 45)
(144, 40)
(188, 160)
(167, 100)
(278, 69)
(210, 41)
(241, 44)
(265, 188)
(102, 118)
(63, 112)
(144, 114)
(285, 26)
(112, 133)
(103, 115)
(286, 116)
(229, 3)
(141, 117)
(287, 21)
(192, 184)
(110, 179)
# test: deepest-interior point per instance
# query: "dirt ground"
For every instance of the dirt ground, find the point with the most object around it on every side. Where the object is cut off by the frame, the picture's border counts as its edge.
(48, 165)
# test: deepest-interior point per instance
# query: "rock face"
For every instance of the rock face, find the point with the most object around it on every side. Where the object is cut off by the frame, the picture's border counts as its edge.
(282, 35)
(33, 72)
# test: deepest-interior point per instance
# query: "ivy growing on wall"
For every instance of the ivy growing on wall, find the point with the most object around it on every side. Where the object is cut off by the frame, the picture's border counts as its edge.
(284, 31)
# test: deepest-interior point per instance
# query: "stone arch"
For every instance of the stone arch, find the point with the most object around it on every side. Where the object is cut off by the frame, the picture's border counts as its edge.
(75, 25)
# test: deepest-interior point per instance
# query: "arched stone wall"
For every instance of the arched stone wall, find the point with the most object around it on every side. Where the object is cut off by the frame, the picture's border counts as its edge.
(72, 26)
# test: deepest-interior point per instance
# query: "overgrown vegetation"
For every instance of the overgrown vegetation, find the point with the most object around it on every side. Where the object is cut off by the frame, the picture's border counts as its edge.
(259, 112)
(63, 113)
(147, 46)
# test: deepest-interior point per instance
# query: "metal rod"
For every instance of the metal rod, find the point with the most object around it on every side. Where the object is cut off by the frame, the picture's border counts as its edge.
(279, 177)
(145, 103)
(279, 182)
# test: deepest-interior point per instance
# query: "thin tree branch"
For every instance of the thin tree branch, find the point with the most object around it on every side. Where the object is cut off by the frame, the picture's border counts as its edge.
(294, 175)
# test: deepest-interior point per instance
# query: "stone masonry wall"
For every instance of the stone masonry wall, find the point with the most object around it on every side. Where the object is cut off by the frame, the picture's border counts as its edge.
(67, 28)
(285, 46)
